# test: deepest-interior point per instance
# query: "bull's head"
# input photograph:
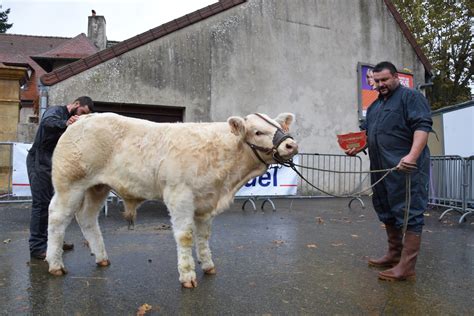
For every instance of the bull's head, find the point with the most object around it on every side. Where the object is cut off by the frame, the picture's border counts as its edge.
(268, 138)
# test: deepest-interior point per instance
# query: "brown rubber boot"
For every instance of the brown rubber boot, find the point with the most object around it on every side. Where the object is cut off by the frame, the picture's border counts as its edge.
(405, 269)
(392, 257)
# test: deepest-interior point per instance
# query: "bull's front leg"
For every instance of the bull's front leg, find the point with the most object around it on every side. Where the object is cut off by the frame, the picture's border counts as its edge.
(203, 251)
(179, 201)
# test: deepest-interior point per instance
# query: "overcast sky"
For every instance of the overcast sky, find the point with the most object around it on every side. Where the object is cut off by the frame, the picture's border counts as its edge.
(68, 18)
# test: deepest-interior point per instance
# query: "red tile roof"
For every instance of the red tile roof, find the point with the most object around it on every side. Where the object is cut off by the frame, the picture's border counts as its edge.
(184, 21)
(18, 50)
(136, 41)
(28, 45)
(77, 47)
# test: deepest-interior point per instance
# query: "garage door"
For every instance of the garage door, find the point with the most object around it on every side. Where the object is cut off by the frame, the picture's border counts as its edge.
(154, 113)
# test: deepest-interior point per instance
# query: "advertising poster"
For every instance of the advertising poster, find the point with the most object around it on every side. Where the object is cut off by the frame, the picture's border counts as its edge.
(367, 88)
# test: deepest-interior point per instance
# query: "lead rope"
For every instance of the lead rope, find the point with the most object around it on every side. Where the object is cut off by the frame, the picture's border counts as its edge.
(406, 215)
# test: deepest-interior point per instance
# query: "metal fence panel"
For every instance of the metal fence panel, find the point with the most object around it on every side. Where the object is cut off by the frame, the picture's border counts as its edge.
(451, 184)
(331, 182)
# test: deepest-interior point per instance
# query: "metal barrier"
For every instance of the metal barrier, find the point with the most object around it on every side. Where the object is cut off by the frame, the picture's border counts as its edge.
(450, 184)
(343, 183)
(469, 181)
(318, 169)
(451, 180)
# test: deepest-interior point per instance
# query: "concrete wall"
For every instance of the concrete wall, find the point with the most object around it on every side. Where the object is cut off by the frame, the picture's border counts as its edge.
(267, 56)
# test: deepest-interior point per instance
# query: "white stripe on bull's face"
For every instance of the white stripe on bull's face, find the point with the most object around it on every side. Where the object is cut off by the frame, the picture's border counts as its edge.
(259, 132)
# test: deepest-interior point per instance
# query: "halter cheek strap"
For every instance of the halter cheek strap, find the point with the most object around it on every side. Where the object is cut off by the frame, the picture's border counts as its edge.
(279, 137)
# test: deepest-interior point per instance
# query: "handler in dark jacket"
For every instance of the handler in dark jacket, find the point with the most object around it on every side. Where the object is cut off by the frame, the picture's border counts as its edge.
(53, 124)
(397, 126)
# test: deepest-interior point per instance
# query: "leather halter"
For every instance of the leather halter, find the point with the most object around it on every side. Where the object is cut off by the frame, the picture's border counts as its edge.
(279, 137)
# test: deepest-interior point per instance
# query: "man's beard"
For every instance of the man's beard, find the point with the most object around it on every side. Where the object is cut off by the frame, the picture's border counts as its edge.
(73, 112)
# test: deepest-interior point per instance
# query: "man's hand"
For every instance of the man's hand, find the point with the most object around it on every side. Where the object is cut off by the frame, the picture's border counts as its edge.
(407, 164)
(352, 151)
(72, 120)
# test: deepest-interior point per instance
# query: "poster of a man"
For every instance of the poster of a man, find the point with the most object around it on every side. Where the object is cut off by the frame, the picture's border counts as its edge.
(368, 88)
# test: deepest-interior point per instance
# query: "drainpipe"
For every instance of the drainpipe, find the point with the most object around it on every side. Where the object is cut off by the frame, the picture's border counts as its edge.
(423, 86)
(43, 103)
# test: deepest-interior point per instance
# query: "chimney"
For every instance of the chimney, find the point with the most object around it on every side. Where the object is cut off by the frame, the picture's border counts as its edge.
(96, 31)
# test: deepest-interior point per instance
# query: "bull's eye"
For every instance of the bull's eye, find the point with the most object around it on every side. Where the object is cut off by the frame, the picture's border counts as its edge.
(258, 133)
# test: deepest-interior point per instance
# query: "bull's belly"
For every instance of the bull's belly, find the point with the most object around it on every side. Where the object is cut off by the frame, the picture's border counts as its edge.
(133, 188)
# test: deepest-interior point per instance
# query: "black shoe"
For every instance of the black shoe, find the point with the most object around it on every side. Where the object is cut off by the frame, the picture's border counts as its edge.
(67, 247)
(38, 255)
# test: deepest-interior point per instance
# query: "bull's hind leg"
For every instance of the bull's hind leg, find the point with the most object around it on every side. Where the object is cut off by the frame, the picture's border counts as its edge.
(88, 219)
(203, 251)
(179, 200)
(61, 211)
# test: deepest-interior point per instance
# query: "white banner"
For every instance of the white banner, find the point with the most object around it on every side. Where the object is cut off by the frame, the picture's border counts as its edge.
(20, 182)
(278, 180)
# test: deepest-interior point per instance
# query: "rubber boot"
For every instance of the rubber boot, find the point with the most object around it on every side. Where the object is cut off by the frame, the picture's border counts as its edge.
(405, 269)
(392, 257)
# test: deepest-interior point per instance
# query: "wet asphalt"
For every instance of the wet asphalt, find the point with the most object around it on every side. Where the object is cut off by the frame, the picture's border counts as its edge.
(308, 257)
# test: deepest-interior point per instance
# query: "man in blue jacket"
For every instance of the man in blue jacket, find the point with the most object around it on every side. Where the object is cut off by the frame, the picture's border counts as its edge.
(53, 124)
(397, 126)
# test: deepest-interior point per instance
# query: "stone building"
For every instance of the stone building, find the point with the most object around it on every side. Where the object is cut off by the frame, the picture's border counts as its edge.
(237, 57)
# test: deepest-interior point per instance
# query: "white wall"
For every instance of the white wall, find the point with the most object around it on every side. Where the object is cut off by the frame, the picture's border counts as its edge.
(459, 132)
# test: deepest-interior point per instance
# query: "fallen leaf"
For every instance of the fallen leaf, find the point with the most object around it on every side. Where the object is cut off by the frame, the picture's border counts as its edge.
(319, 220)
(7, 241)
(278, 242)
(337, 244)
(355, 236)
(312, 246)
(240, 247)
(427, 214)
(143, 309)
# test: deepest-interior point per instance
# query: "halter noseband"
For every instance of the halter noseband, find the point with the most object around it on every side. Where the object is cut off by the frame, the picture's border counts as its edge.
(279, 137)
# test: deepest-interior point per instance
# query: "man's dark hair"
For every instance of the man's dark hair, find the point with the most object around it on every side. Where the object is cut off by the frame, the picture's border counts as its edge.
(385, 65)
(84, 100)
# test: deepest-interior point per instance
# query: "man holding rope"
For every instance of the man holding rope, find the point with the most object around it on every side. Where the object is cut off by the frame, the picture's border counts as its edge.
(397, 126)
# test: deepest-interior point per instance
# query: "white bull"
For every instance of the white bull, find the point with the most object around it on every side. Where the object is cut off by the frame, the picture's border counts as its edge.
(195, 168)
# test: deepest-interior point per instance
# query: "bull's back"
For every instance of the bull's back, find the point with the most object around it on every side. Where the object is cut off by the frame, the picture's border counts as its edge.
(87, 147)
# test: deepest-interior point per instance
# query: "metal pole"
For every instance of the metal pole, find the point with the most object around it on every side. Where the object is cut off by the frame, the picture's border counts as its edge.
(43, 101)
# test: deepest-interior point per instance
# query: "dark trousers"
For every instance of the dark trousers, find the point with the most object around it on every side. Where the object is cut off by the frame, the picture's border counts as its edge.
(42, 193)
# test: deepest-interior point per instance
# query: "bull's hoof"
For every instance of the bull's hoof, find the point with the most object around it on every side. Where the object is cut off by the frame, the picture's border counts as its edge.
(190, 284)
(58, 272)
(210, 271)
(104, 263)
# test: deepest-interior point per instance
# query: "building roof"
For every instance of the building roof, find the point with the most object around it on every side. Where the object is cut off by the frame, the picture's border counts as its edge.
(77, 47)
(137, 41)
(28, 45)
(31, 51)
(455, 107)
(182, 22)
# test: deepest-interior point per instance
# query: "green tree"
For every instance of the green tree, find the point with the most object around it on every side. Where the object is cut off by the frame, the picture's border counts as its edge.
(4, 26)
(444, 29)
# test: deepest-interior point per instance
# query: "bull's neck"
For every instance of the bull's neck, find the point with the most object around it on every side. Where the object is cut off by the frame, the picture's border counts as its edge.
(246, 164)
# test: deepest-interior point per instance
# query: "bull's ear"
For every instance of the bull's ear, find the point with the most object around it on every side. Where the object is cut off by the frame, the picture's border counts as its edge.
(285, 120)
(237, 125)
